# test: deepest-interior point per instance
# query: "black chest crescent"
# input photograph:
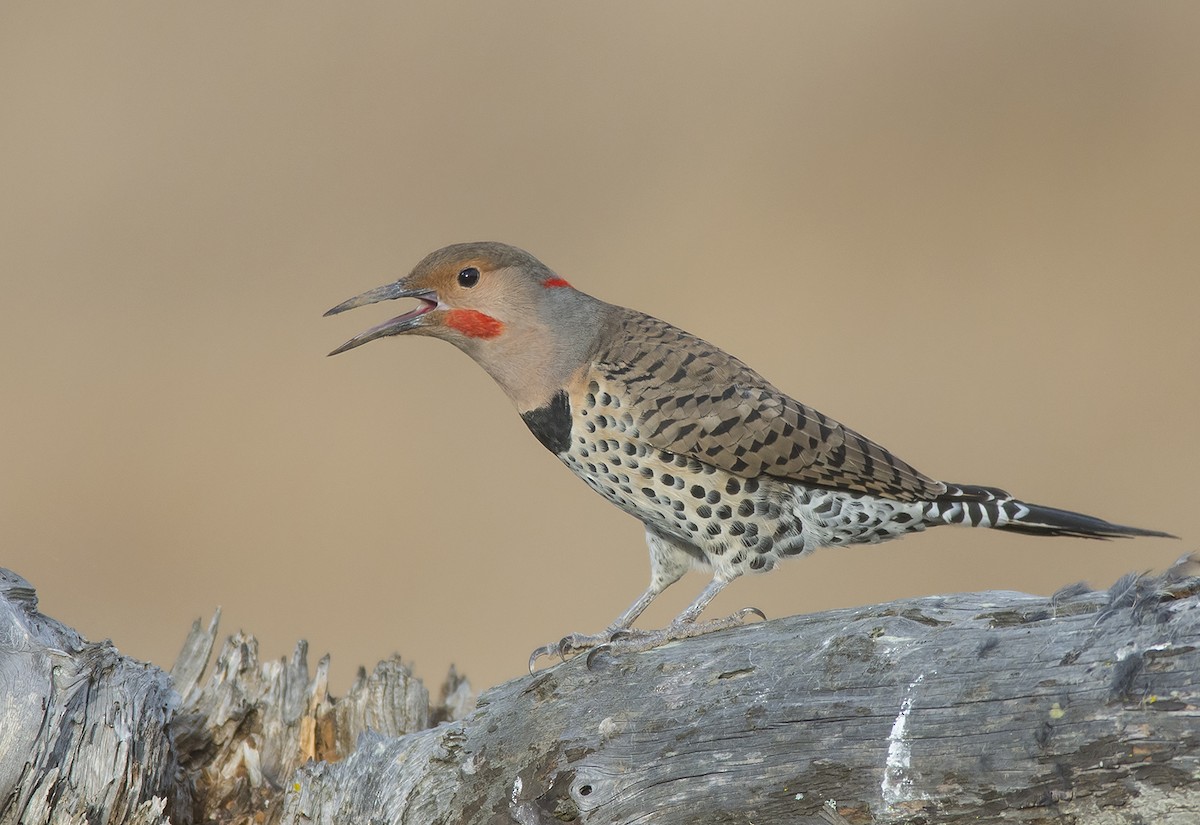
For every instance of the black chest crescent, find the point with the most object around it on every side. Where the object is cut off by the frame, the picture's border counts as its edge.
(551, 423)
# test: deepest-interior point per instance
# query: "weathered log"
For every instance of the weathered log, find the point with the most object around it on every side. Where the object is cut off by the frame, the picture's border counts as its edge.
(989, 707)
(993, 707)
(83, 730)
(90, 736)
(246, 730)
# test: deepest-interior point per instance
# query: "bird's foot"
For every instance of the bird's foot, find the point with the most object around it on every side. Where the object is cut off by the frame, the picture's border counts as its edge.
(575, 643)
(628, 640)
(639, 640)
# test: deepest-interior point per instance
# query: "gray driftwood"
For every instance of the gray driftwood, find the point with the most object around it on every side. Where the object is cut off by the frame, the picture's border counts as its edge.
(91, 737)
(992, 707)
(82, 728)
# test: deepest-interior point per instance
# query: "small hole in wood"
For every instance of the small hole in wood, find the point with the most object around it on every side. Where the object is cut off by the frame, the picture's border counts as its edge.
(585, 790)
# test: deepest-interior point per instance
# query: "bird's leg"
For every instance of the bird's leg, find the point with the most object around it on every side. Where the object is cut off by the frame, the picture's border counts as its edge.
(684, 626)
(670, 554)
(692, 612)
(576, 642)
(668, 562)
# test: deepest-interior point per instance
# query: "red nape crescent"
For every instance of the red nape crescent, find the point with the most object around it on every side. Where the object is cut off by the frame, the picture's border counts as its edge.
(473, 323)
(556, 281)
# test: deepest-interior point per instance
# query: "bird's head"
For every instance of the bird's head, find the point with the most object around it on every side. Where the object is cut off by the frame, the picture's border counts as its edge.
(499, 304)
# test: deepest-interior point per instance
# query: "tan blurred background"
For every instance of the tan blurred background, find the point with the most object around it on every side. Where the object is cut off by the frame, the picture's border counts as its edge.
(969, 230)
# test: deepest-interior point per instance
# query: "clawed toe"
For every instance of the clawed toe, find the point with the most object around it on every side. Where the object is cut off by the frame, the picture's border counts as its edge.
(690, 630)
(544, 650)
(596, 651)
(747, 612)
(568, 646)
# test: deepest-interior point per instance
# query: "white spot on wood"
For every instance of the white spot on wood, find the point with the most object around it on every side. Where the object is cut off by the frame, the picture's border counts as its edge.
(896, 786)
(1126, 651)
(894, 641)
(611, 726)
(253, 764)
(516, 791)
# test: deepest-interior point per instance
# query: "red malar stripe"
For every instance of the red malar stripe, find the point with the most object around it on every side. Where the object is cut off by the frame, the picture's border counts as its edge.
(473, 323)
(554, 282)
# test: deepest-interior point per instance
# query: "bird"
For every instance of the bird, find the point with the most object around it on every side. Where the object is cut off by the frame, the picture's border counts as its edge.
(727, 473)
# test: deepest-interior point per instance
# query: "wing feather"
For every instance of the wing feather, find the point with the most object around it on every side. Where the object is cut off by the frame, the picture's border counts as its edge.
(691, 398)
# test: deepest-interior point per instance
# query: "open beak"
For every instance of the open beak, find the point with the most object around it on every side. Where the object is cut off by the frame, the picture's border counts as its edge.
(395, 326)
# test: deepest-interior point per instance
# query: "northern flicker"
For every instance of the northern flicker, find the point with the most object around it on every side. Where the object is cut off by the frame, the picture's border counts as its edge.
(727, 473)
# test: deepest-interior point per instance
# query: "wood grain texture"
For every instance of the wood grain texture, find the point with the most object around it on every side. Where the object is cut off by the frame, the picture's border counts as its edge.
(993, 707)
(83, 730)
(987, 707)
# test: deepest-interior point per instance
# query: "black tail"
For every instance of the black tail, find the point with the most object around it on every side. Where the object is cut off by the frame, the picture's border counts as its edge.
(975, 506)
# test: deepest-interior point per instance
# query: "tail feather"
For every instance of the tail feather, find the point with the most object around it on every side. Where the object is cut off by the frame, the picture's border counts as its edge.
(975, 506)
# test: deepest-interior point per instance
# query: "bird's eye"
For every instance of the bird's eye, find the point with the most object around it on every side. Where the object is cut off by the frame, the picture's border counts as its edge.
(468, 277)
